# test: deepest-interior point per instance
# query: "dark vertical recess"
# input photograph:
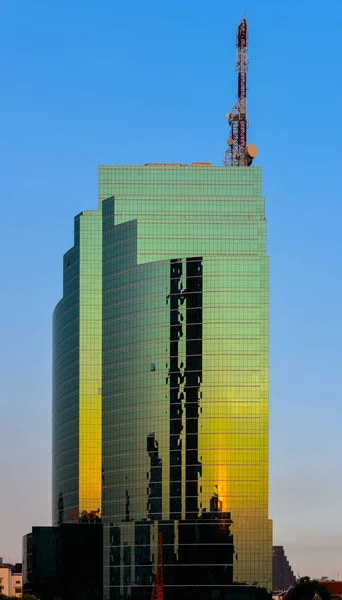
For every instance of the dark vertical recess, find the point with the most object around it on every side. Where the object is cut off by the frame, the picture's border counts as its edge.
(193, 379)
(175, 379)
(155, 477)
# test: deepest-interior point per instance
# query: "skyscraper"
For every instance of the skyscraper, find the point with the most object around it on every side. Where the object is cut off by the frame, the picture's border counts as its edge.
(283, 576)
(161, 378)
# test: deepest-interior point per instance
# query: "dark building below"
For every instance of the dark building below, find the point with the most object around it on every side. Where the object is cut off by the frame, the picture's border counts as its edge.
(197, 558)
(282, 574)
(64, 561)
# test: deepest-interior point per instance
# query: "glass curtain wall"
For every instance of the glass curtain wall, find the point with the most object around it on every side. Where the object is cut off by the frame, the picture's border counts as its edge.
(185, 378)
(160, 371)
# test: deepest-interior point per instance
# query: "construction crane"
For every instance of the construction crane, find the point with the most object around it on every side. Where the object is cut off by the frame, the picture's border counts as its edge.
(239, 152)
(158, 590)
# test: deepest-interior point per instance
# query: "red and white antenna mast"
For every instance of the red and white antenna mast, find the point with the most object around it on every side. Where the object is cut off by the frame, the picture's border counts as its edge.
(239, 153)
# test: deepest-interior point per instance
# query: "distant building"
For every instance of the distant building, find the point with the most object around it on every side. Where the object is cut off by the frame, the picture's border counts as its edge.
(59, 560)
(282, 575)
(10, 579)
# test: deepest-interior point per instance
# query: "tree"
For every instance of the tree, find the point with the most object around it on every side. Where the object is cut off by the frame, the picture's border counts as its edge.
(307, 589)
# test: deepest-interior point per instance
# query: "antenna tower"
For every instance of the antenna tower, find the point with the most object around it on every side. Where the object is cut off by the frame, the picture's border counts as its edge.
(239, 153)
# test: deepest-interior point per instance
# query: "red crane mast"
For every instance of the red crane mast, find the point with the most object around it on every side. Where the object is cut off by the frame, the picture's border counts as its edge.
(158, 589)
(239, 153)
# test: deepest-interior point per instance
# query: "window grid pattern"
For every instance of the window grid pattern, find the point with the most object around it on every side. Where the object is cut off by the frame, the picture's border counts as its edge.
(152, 217)
(160, 410)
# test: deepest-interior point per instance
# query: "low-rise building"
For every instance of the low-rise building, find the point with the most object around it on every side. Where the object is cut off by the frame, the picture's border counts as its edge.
(334, 587)
(11, 579)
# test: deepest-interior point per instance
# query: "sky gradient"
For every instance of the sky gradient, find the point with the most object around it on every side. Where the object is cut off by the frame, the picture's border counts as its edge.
(86, 84)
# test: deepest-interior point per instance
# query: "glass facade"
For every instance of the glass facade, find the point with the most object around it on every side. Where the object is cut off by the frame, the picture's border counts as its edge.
(77, 378)
(161, 344)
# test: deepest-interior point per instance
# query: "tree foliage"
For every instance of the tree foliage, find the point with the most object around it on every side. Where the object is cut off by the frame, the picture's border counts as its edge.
(262, 594)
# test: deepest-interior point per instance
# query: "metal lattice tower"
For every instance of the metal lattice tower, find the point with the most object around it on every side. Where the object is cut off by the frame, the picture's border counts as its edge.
(238, 152)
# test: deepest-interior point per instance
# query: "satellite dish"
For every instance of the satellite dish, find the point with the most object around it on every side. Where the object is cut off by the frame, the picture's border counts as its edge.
(251, 152)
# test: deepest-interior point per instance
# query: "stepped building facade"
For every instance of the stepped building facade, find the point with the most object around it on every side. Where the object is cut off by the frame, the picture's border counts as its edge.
(160, 371)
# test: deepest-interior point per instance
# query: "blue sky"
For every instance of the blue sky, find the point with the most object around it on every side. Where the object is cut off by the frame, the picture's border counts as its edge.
(85, 83)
